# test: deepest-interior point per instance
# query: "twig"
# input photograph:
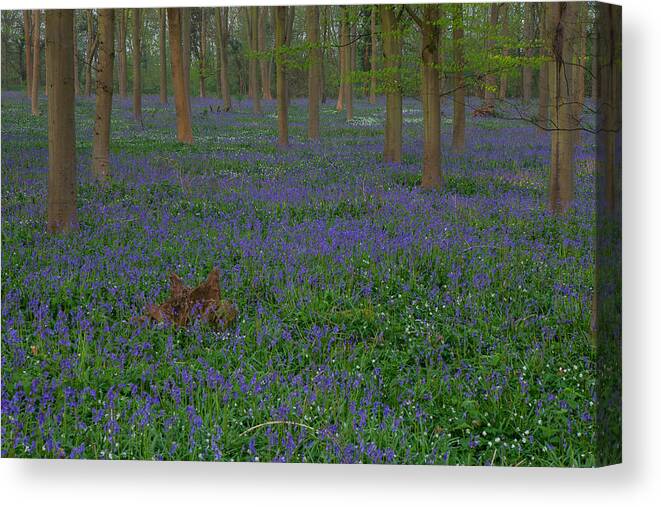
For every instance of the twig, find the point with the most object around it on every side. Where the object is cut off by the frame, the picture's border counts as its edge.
(271, 423)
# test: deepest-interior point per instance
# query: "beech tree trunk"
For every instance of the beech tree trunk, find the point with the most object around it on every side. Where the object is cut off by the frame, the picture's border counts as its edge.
(503, 75)
(121, 49)
(253, 64)
(562, 18)
(36, 28)
(323, 55)
(76, 80)
(459, 106)
(528, 40)
(348, 59)
(373, 42)
(27, 30)
(314, 71)
(392, 51)
(543, 112)
(104, 84)
(222, 35)
(92, 43)
(137, 69)
(579, 67)
(181, 98)
(163, 68)
(431, 106)
(280, 75)
(61, 127)
(203, 53)
(186, 46)
(341, 54)
(490, 78)
(261, 47)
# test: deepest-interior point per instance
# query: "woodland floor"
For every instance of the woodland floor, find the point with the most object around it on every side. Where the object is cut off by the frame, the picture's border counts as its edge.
(377, 323)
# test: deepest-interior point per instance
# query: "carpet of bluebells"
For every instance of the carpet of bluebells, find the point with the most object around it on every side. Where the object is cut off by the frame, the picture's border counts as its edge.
(378, 323)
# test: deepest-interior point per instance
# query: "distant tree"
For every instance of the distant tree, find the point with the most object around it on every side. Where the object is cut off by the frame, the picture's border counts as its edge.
(459, 105)
(252, 18)
(61, 205)
(163, 71)
(314, 72)
(137, 69)
(203, 52)
(121, 50)
(36, 28)
(181, 98)
(222, 36)
(264, 64)
(27, 31)
(92, 44)
(345, 42)
(490, 78)
(186, 46)
(281, 43)
(528, 41)
(392, 51)
(104, 85)
(373, 54)
(502, 90)
(543, 111)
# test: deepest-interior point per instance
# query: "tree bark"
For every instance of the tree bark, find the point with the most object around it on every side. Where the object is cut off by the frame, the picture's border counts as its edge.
(222, 35)
(579, 67)
(528, 40)
(314, 72)
(181, 98)
(61, 127)
(92, 44)
(36, 28)
(261, 47)
(253, 64)
(186, 46)
(543, 112)
(104, 84)
(459, 106)
(392, 50)
(137, 69)
(280, 75)
(490, 78)
(562, 17)
(347, 86)
(203, 53)
(373, 42)
(163, 70)
(27, 30)
(76, 80)
(121, 49)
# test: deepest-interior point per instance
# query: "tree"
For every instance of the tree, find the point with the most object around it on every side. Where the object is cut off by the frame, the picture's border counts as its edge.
(528, 40)
(280, 75)
(76, 80)
(490, 78)
(203, 53)
(137, 70)
(36, 26)
(562, 19)
(181, 98)
(543, 112)
(186, 45)
(459, 106)
(373, 42)
(163, 71)
(431, 94)
(252, 14)
(104, 84)
(392, 51)
(61, 205)
(264, 65)
(27, 30)
(92, 43)
(314, 72)
(347, 86)
(121, 50)
(503, 75)
(222, 35)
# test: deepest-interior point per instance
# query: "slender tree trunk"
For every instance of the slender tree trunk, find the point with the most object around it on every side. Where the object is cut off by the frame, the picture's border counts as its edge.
(253, 40)
(280, 76)
(261, 47)
(314, 72)
(222, 35)
(137, 69)
(163, 68)
(323, 55)
(594, 81)
(348, 58)
(431, 106)
(27, 29)
(341, 55)
(528, 40)
(203, 53)
(289, 33)
(121, 49)
(92, 44)
(372, 99)
(61, 127)
(181, 99)
(186, 45)
(392, 50)
(218, 37)
(490, 78)
(104, 82)
(506, 32)
(543, 114)
(76, 79)
(579, 67)
(562, 16)
(459, 106)
(36, 29)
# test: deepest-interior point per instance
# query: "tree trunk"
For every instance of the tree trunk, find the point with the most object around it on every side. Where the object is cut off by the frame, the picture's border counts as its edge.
(322, 84)
(222, 35)
(579, 67)
(36, 28)
(186, 46)
(92, 44)
(503, 75)
(339, 106)
(137, 69)
(280, 76)
(203, 53)
(253, 41)
(543, 114)
(345, 41)
(490, 78)
(121, 49)
(27, 30)
(528, 41)
(61, 127)
(163, 70)
(431, 107)
(181, 98)
(261, 47)
(289, 33)
(562, 17)
(392, 50)
(459, 106)
(101, 139)
(373, 42)
(314, 59)
(76, 80)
